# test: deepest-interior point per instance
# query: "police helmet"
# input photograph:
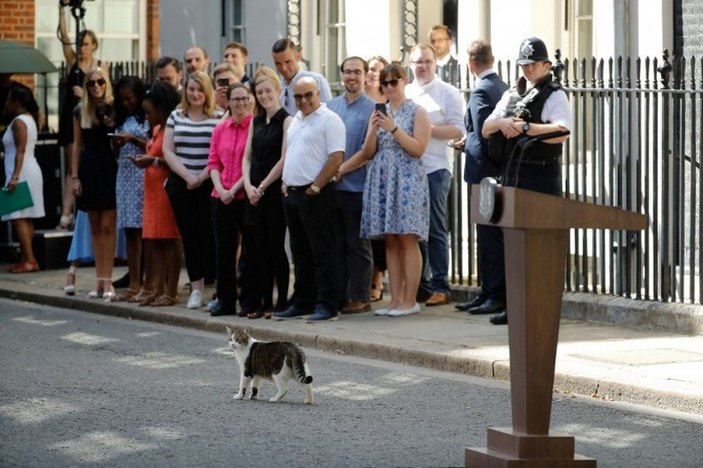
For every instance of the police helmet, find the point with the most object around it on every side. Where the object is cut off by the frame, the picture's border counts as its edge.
(532, 50)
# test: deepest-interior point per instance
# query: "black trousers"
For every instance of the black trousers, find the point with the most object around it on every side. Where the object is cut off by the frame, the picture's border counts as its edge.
(313, 244)
(228, 223)
(193, 216)
(268, 250)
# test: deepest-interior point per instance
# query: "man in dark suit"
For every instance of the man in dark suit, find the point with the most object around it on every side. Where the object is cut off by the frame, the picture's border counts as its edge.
(484, 97)
(440, 37)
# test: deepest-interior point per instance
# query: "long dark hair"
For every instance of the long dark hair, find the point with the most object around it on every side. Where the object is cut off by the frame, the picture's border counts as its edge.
(136, 85)
(163, 97)
(25, 98)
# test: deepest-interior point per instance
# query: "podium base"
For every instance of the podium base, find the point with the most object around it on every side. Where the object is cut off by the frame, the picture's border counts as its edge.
(507, 448)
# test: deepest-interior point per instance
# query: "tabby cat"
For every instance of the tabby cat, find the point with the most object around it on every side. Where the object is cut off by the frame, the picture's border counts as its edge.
(277, 361)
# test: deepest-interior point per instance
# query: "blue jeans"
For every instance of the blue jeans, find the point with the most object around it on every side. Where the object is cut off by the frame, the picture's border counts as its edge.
(435, 252)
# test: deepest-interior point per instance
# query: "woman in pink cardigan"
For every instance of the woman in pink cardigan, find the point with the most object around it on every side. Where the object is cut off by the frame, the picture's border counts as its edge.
(229, 140)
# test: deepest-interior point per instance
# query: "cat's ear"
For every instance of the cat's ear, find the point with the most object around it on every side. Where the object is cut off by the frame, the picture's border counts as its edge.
(229, 330)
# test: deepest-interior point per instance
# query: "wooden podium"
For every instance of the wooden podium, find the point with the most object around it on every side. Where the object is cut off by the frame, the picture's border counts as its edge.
(535, 230)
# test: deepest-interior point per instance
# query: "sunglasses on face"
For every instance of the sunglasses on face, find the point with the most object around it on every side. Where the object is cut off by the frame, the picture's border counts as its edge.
(392, 83)
(92, 83)
(307, 96)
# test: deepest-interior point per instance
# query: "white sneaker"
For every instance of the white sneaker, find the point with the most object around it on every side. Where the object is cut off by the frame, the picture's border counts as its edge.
(381, 312)
(402, 312)
(195, 301)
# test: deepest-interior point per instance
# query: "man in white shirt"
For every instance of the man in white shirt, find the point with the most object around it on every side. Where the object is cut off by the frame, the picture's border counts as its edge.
(286, 57)
(313, 151)
(446, 108)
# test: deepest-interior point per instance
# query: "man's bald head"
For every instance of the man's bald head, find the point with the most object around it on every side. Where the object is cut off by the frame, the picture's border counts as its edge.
(306, 95)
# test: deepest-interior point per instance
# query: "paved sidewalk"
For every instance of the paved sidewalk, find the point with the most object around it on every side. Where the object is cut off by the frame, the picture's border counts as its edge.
(638, 365)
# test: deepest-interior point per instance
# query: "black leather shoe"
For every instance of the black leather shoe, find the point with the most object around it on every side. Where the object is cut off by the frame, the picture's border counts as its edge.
(422, 295)
(491, 306)
(475, 302)
(121, 282)
(499, 319)
(218, 310)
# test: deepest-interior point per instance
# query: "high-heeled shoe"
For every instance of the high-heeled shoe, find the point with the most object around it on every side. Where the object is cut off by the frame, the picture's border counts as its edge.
(70, 288)
(376, 293)
(109, 295)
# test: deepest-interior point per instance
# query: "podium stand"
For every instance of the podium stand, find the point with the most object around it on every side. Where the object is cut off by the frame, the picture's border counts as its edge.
(535, 231)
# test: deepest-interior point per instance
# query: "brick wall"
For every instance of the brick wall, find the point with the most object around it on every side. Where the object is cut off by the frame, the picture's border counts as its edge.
(152, 26)
(690, 32)
(17, 24)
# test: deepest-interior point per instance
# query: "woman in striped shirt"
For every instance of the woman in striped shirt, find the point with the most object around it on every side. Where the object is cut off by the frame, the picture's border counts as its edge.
(186, 149)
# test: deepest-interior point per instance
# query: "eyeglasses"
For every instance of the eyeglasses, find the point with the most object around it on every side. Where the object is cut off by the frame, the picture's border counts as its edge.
(307, 96)
(392, 83)
(91, 83)
(353, 72)
(426, 63)
(239, 98)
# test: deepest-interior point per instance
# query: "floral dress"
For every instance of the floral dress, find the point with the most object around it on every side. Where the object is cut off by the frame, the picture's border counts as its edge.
(130, 178)
(396, 194)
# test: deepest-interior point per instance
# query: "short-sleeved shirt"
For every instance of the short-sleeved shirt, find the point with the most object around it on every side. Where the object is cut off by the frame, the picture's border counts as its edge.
(192, 139)
(444, 105)
(287, 100)
(355, 116)
(556, 108)
(310, 141)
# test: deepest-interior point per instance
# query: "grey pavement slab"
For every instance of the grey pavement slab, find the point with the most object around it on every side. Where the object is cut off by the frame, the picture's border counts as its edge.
(607, 361)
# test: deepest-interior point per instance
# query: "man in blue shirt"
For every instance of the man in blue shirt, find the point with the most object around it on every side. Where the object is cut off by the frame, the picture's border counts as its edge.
(354, 107)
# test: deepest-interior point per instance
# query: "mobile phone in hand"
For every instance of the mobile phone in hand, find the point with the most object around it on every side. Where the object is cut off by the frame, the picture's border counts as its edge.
(380, 107)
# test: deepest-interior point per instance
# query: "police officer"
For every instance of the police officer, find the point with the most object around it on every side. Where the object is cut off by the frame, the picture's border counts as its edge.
(536, 105)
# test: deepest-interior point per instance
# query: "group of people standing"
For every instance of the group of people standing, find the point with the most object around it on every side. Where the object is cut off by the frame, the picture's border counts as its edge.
(217, 168)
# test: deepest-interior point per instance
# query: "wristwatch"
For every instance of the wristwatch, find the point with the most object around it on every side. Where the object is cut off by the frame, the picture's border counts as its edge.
(526, 127)
(315, 188)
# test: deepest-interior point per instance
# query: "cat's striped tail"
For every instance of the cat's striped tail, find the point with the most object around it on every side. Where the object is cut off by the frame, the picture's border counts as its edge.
(301, 370)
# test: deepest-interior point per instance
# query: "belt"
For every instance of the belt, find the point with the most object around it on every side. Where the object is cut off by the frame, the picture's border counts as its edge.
(297, 188)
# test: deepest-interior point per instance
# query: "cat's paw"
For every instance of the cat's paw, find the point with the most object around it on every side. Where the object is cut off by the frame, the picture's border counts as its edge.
(253, 397)
(238, 396)
(309, 401)
(274, 399)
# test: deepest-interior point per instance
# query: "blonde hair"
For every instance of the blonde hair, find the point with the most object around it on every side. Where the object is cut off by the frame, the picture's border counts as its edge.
(236, 70)
(263, 74)
(201, 78)
(88, 105)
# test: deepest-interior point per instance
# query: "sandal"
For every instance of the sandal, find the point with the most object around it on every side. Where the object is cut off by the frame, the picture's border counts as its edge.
(376, 293)
(140, 296)
(97, 294)
(147, 300)
(109, 295)
(70, 288)
(65, 222)
(127, 294)
(164, 301)
(24, 267)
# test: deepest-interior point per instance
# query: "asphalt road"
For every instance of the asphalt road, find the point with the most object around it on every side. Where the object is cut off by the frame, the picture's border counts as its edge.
(79, 389)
